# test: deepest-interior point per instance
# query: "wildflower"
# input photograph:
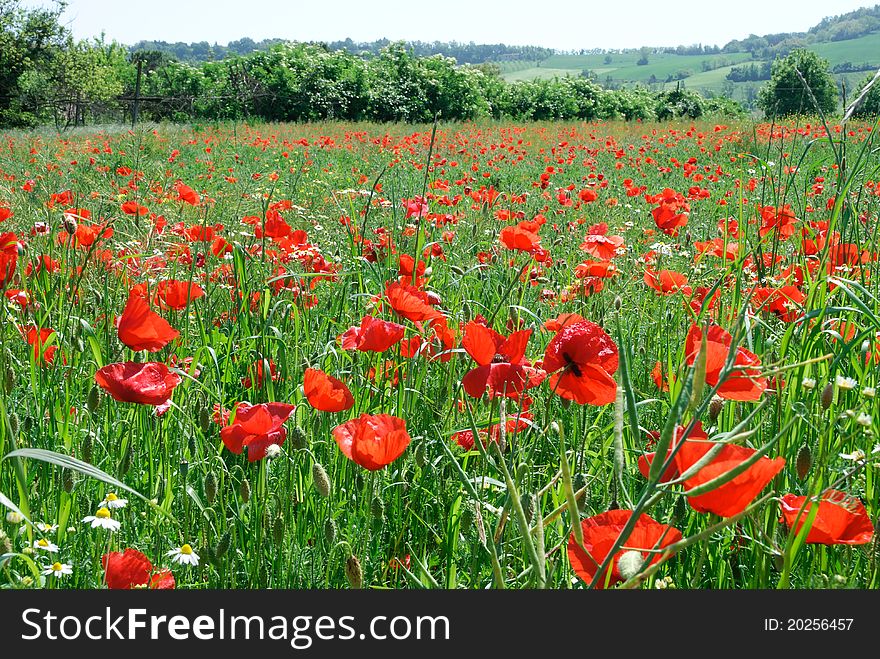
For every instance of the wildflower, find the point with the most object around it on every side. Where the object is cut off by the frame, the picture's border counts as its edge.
(840, 520)
(864, 419)
(58, 569)
(808, 383)
(150, 383)
(45, 545)
(142, 329)
(257, 427)
(326, 393)
(372, 441)
(184, 555)
(131, 569)
(501, 364)
(845, 383)
(102, 518)
(42, 527)
(869, 392)
(14, 518)
(586, 357)
(112, 501)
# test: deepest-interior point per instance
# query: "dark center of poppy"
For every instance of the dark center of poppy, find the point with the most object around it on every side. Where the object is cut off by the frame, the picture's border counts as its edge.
(570, 365)
(500, 359)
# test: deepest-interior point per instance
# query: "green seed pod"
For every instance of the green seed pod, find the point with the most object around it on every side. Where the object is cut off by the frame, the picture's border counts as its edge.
(9, 380)
(827, 395)
(222, 545)
(377, 508)
(93, 400)
(68, 480)
(27, 424)
(330, 531)
(205, 420)
(529, 504)
(297, 438)
(191, 445)
(86, 449)
(421, 454)
(321, 480)
(804, 462)
(466, 519)
(14, 424)
(245, 490)
(184, 470)
(679, 510)
(354, 574)
(209, 487)
(278, 529)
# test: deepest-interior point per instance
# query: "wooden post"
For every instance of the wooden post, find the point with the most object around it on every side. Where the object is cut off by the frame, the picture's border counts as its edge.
(137, 93)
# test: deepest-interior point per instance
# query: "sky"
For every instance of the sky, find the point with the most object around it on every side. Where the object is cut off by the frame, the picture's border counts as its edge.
(559, 24)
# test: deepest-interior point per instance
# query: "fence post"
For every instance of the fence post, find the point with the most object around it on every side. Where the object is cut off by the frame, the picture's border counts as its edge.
(137, 93)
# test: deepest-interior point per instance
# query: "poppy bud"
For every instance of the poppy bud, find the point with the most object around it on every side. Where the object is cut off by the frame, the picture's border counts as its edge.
(320, 479)
(353, 572)
(330, 530)
(614, 505)
(687, 238)
(13, 423)
(377, 508)
(679, 510)
(27, 424)
(69, 224)
(5, 543)
(93, 400)
(205, 420)
(278, 529)
(618, 303)
(778, 561)
(68, 480)
(466, 519)
(9, 380)
(457, 270)
(85, 450)
(630, 564)
(222, 545)
(210, 487)
(827, 395)
(184, 469)
(804, 461)
(245, 490)
(421, 455)
(529, 504)
(715, 407)
(298, 439)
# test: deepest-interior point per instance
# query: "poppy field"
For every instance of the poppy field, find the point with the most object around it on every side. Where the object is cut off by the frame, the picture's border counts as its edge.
(481, 355)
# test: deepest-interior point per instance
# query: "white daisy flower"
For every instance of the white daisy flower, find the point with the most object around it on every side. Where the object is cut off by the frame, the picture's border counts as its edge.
(856, 455)
(46, 528)
(808, 383)
(184, 555)
(112, 501)
(13, 518)
(845, 383)
(58, 569)
(45, 545)
(869, 392)
(864, 420)
(102, 518)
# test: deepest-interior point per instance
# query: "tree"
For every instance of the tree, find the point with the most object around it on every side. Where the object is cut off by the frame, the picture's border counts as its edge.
(869, 106)
(29, 39)
(643, 56)
(786, 94)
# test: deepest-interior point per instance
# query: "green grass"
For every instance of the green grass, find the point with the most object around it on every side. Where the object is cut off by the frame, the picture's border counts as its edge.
(441, 514)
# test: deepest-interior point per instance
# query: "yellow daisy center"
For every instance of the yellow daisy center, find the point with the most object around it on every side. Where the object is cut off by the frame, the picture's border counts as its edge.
(102, 513)
(57, 567)
(43, 542)
(186, 549)
(112, 497)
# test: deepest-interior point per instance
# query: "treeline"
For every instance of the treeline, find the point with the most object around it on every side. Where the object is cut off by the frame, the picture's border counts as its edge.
(464, 53)
(50, 78)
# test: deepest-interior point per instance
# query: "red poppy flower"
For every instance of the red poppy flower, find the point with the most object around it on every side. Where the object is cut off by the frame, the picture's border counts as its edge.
(326, 393)
(87, 234)
(257, 426)
(735, 495)
(601, 246)
(667, 282)
(601, 532)
(173, 294)
(8, 257)
(671, 472)
(742, 383)
(142, 329)
(134, 208)
(373, 335)
(37, 338)
(518, 238)
(130, 568)
(777, 219)
(784, 302)
(5, 213)
(588, 358)
(410, 303)
(503, 369)
(562, 320)
(150, 383)
(187, 194)
(840, 520)
(372, 441)
(672, 211)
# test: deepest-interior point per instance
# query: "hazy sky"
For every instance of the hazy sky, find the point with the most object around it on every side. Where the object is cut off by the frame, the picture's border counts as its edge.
(562, 24)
